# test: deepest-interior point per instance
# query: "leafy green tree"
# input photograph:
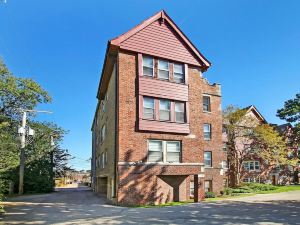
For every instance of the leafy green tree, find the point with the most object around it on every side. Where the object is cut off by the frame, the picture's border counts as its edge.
(248, 138)
(291, 113)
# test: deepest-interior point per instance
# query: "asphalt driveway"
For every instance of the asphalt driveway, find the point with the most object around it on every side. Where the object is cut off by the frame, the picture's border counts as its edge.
(82, 206)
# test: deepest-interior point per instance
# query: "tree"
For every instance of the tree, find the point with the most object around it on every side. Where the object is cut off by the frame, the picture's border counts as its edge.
(291, 113)
(248, 138)
(42, 159)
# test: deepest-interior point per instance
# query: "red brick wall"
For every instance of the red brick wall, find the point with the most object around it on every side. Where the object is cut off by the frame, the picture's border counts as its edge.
(133, 143)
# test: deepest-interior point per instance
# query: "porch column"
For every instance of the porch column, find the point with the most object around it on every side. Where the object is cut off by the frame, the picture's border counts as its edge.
(198, 189)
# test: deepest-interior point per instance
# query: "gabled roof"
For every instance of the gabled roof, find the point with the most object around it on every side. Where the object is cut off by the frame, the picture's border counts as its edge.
(257, 113)
(162, 16)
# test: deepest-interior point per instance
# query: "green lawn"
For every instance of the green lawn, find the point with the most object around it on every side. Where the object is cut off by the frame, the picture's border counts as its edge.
(278, 189)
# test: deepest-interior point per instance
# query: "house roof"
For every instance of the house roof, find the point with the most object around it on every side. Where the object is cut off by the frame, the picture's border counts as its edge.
(162, 16)
(257, 113)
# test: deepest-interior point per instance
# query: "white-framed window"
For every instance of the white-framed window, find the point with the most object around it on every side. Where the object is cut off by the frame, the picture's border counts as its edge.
(207, 131)
(103, 133)
(148, 108)
(208, 186)
(179, 112)
(173, 151)
(192, 189)
(224, 146)
(251, 165)
(178, 73)
(155, 151)
(206, 104)
(164, 151)
(163, 69)
(224, 164)
(102, 160)
(207, 159)
(103, 105)
(148, 66)
(164, 110)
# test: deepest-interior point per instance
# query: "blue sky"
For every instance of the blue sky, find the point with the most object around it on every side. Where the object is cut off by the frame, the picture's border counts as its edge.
(254, 47)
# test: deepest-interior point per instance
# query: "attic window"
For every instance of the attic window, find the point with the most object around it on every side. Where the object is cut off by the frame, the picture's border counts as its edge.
(148, 66)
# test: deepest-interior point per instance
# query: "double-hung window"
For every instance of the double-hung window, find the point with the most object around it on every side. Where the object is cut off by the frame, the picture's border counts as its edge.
(148, 108)
(155, 151)
(207, 131)
(148, 66)
(173, 151)
(206, 104)
(178, 73)
(164, 110)
(207, 159)
(103, 131)
(163, 69)
(179, 112)
(251, 165)
(164, 151)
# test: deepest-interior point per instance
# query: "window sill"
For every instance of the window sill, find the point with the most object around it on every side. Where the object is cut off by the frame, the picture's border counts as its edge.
(208, 167)
(165, 121)
(207, 139)
(209, 112)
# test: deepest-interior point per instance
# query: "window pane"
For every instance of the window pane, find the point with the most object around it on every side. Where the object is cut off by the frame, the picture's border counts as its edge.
(251, 165)
(155, 151)
(163, 65)
(206, 127)
(155, 146)
(207, 159)
(148, 113)
(149, 102)
(179, 117)
(148, 71)
(173, 157)
(164, 115)
(163, 74)
(164, 105)
(178, 68)
(179, 107)
(206, 103)
(147, 61)
(178, 78)
(173, 146)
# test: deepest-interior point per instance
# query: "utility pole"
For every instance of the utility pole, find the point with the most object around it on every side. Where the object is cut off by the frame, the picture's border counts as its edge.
(23, 132)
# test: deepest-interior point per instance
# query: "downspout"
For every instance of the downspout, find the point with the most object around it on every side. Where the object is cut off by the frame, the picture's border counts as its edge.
(116, 128)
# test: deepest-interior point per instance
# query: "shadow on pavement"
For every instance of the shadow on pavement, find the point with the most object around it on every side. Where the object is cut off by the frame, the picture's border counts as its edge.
(82, 206)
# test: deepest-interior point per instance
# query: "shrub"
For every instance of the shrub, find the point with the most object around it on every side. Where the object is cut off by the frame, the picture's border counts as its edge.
(256, 187)
(210, 194)
(228, 191)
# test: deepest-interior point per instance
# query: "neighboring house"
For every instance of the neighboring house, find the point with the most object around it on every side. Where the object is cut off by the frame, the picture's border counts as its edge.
(255, 169)
(157, 130)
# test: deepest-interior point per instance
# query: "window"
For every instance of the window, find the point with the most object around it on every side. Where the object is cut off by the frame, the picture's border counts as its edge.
(208, 185)
(148, 66)
(103, 106)
(105, 157)
(163, 69)
(103, 130)
(206, 104)
(224, 147)
(179, 112)
(173, 151)
(148, 112)
(155, 151)
(207, 131)
(164, 110)
(224, 165)
(225, 183)
(164, 151)
(251, 165)
(207, 159)
(192, 189)
(102, 160)
(178, 73)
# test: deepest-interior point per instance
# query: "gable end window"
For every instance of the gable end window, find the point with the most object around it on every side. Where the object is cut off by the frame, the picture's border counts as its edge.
(206, 104)
(163, 69)
(148, 66)
(178, 73)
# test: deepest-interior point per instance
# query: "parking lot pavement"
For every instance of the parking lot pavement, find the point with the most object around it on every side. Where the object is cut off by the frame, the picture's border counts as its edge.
(82, 206)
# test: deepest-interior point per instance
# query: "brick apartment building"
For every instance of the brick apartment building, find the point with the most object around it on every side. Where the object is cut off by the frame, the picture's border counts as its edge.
(256, 169)
(157, 130)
